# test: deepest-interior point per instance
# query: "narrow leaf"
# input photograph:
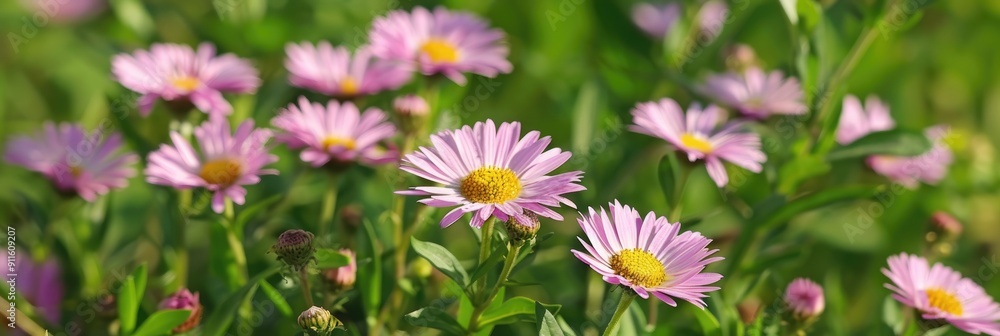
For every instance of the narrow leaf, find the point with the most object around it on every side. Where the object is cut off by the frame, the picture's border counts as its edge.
(547, 324)
(161, 322)
(893, 142)
(441, 259)
(330, 258)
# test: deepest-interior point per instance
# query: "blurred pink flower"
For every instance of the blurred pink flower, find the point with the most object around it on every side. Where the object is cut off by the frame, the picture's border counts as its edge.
(491, 172)
(178, 74)
(41, 284)
(940, 293)
(441, 42)
(226, 161)
(656, 20)
(336, 132)
(804, 298)
(184, 300)
(647, 254)
(86, 164)
(712, 18)
(698, 134)
(757, 94)
(343, 277)
(66, 10)
(857, 121)
(335, 72)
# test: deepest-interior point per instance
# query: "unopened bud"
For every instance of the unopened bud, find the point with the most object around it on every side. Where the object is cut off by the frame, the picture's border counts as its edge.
(945, 224)
(805, 299)
(343, 278)
(295, 248)
(318, 321)
(522, 228)
(411, 106)
(184, 300)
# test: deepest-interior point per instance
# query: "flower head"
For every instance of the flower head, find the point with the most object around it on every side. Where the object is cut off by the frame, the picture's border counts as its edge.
(857, 121)
(184, 300)
(940, 293)
(697, 134)
(804, 298)
(319, 321)
(491, 172)
(86, 164)
(225, 163)
(441, 42)
(180, 75)
(757, 94)
(336, 132)
(295, 248)
(343, 277)
(520, 232)
(656, 20)
(335, 72)
(647, 255)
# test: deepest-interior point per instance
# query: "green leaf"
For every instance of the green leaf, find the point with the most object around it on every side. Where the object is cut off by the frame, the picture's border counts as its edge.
(369, 273)
(892, 316)
(669, 172)
(128, 306)
(441, 259)
(566, 329)
(547, 324)
(791, 11)
(810, 202)
(893, 142)
(218, 323)
(499, 251)
(585, 116)
(329, 258)
(709, 324)
(811, 13)
(139, 274)
(514, 310)
(435, 317)
(161, 322)
(134, 15)
(800, 169)
(275, 296)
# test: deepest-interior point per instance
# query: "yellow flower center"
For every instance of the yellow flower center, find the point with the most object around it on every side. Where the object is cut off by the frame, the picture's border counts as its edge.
(75, 170)
(696, 143)
(348, 86)
(440, 51)
(491, 185)
(946, 302)
(336, 141)
(185, 83)
(223, 172)
(639, 267)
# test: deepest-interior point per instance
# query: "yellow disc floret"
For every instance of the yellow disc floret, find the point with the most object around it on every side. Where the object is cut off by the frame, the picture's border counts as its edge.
(336, 141)
(945, 301)
(440, 51)
(223, 172)
(348, 86)
(639, 267)
(696, 143)
(185, 83)
(491, 185)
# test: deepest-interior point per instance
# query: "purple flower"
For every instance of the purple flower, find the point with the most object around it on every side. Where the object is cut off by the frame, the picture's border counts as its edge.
(857, 121)
(226, 161)
(334, 72)
(74, 161)
(184, 300)
(336, 132)
(40, 283)
(697, 134)
(491, 172)
(656, 20)
(441, 42)
(804, 298)
(180, 75)
(647, 254)
(940, 293)
(757, 94)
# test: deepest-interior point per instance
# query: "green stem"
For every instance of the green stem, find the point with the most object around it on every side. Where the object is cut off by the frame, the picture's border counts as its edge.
(235, 242)
(508, 265)
(619, 312)
(304, 279)
(487, 236)
(329, 206)
(181, 264)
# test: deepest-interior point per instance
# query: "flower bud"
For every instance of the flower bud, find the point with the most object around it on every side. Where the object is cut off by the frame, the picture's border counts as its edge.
(804, 299)
(183, 299)
(740, 57)
(411, 106)
(945, 225)
(318, 321)
(295, 248)
(342, 278)
(522, 228)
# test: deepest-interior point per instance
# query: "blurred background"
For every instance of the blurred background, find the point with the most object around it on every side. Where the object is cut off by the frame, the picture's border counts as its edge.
(579, 67)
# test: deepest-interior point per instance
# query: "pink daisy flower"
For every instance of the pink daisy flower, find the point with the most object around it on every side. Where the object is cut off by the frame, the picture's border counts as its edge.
(441, 42)
(656, 20)
(337, 132)
(182, 76)
(647, 254)
(712, 18)
(856, 121)
(804, 298)
(88, 165)
(940, 293)
(334, 72)
(225, 163)
(757, 94)
(697, 134)
(492, 172)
